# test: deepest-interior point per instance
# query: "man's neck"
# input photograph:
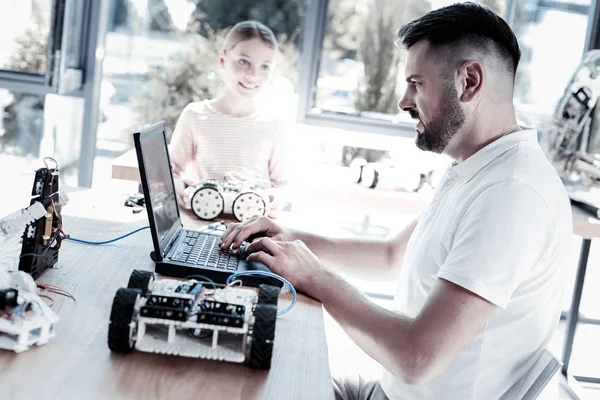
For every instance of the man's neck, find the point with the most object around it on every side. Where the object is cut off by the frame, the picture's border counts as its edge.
(480, 134)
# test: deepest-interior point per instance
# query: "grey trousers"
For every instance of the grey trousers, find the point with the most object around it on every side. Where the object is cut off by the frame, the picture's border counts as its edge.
(357, 388)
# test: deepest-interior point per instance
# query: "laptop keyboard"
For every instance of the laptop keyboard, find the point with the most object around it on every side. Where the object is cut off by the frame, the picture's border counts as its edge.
(203, 250)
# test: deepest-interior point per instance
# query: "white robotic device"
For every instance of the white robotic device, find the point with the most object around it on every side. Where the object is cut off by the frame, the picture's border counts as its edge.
(25, 319)
(211, 198)
(185, 318)
(568, 133)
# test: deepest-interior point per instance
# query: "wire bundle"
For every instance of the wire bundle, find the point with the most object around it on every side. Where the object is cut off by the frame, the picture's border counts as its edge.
(269, 275)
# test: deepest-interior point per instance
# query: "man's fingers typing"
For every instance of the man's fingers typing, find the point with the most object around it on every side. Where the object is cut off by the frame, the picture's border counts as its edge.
(262, 257)
(236, 235)
(226, 235)
(263, 244)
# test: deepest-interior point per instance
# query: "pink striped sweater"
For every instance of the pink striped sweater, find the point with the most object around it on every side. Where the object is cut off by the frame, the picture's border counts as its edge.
(209, 144)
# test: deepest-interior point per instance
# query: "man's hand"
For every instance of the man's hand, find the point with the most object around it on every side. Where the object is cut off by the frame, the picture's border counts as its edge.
(292, 260)
(237, 233)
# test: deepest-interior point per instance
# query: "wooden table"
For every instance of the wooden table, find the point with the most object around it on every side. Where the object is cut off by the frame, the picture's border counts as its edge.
(77, 363)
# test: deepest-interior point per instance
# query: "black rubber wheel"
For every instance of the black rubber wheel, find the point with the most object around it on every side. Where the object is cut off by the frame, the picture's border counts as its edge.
(120, 317)
(263, 336)
(268, 294)
(122, 306)
(140, 280)
(118, 338)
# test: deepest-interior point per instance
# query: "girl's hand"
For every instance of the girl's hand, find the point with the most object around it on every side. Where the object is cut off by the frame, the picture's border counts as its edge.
(182, 183)
(274, 203)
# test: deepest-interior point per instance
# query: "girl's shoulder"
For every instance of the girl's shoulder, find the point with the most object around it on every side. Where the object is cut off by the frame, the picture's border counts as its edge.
(201, 107)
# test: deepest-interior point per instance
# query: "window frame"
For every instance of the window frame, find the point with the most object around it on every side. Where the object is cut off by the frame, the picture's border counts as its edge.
(312, 45)
(58, 78)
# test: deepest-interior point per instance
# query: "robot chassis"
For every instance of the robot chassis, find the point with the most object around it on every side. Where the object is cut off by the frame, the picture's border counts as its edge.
(184, 318)
(212, 198)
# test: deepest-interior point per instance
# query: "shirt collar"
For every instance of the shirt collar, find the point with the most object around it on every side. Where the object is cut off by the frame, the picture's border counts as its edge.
(472, 165)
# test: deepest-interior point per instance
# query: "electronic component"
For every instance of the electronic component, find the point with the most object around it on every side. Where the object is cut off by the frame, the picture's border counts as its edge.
(41, 239)
(8, 298)
(176, 314)
(218, 313)
(167, 307)
(170, 301)
(135, 200)
(187, 288)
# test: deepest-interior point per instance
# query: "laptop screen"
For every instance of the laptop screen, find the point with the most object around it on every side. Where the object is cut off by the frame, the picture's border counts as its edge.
(156, 172)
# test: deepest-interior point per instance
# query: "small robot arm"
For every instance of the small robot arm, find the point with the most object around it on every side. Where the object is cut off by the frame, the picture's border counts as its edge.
(14, 222)
(25, 319)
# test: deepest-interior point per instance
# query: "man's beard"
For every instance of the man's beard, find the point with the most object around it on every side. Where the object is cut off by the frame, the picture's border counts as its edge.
(450, 118)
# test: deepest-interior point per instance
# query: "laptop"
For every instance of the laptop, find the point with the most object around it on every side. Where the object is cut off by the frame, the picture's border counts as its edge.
(180, 252)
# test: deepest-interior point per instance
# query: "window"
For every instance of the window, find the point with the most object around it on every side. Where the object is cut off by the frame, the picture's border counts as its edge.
(361, 72)
(21, 128)
(41, 45)
(34, 126)
(549, 55)
(359, 78)
(25, 28)
(355, 75)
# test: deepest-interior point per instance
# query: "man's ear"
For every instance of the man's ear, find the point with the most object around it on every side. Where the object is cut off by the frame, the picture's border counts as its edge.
(471, 79)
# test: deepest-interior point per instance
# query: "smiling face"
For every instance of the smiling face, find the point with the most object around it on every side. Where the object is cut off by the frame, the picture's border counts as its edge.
(432, 99)
(247, 67)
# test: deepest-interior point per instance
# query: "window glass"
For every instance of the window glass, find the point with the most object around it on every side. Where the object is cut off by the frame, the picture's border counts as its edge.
(361, 73)
(549, 58)
(24, 31)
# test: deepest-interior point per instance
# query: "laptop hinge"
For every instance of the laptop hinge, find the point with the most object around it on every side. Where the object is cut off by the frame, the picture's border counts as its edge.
(171, 243)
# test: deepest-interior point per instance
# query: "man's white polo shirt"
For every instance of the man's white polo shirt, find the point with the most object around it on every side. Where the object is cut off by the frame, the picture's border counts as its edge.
(500, 226)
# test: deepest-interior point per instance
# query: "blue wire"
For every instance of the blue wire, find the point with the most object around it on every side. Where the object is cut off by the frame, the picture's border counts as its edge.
(106, 241)
(271, 275)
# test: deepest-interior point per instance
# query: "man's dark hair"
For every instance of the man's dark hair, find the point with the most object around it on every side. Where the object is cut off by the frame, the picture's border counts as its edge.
(463, 23)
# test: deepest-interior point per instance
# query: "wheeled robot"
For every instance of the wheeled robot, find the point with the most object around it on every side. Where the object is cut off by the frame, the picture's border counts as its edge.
(186, 318)
(25, 319)
(211, 198)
